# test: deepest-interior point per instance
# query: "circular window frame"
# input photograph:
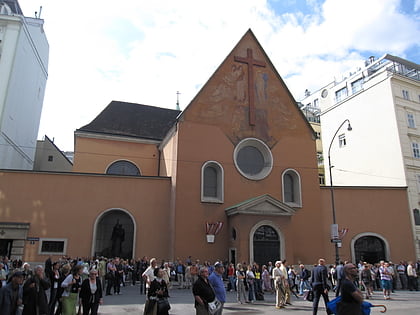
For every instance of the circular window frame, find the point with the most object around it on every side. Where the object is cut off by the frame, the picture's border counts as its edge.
(263, 149)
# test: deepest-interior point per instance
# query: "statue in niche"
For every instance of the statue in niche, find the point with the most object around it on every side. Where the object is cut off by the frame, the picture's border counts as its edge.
(117, 238)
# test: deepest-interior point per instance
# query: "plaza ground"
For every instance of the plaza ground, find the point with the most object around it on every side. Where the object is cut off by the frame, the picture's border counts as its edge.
(182, 303)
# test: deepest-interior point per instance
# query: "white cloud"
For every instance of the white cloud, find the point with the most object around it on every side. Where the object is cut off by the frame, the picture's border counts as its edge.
(144, 51)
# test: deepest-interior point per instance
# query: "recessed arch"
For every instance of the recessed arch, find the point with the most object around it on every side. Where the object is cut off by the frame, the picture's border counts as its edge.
(291, 188)
(212, 182)
(102, 232)
(374, 245)
(281, 242)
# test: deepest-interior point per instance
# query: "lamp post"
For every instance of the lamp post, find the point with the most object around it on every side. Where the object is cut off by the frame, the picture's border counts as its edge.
(334, 225)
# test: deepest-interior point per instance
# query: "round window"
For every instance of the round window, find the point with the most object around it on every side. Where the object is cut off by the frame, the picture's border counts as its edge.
(253, 159)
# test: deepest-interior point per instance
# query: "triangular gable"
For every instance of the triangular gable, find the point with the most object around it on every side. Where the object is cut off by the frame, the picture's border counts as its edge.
(261, 205)
(246, 97)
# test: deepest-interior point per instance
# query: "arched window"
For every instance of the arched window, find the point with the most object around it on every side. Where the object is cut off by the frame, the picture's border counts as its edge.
(123, 168)
(291, 188)
(212, 182)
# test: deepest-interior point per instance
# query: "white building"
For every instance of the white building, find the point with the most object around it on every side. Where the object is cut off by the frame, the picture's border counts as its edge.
(24, 53)
(382, 103)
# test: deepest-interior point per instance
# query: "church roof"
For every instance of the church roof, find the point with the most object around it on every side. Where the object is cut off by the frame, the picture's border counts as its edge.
(133, 120)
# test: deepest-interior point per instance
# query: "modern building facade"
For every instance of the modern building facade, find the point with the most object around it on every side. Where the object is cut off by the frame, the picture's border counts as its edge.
(382, 102)
(24, 55)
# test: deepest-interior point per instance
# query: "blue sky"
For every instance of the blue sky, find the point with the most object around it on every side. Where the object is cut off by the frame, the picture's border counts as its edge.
(144, 51)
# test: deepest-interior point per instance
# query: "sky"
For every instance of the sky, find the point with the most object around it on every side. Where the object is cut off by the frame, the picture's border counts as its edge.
(144, 51)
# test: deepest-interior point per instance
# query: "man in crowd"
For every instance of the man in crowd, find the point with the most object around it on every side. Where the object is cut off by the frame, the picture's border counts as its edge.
(352, 297)
(11, 294)
(279, 282)
(320, 286)
(304, 276)
(216, 280)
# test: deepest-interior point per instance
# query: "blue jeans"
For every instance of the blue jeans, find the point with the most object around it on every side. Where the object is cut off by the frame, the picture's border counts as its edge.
(232, 281)
(251, 296)
(304, 284)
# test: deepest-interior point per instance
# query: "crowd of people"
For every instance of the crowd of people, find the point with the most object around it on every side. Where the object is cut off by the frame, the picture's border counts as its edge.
(77, 286)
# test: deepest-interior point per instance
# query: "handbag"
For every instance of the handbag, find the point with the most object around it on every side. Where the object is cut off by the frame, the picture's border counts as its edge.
(309, 296)
(214, 306)
(163, 305)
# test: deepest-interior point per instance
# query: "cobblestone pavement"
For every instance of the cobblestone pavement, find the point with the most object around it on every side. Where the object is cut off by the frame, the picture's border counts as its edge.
(131, 302)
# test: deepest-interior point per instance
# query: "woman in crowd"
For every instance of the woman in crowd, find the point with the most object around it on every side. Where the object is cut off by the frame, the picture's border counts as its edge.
(91, 293)
(203, 292)
(71, 285)
(54, 278)
(157, 295)
(250, 279)
(292, 275)
(240, 284)
(231, 277)
(266, 278)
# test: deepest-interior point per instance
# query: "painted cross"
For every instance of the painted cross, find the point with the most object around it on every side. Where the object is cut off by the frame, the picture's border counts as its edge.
(250, 61)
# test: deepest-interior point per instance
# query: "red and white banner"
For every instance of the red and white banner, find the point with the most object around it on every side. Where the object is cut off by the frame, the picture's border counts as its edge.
(213, 228)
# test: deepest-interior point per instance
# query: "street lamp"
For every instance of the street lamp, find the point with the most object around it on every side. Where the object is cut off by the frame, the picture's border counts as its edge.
(334, 225)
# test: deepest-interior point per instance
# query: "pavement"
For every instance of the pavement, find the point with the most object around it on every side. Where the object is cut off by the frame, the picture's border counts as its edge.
(182, 303)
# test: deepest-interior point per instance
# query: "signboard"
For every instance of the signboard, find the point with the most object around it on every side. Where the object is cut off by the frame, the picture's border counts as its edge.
(32, 239)
(334, 231)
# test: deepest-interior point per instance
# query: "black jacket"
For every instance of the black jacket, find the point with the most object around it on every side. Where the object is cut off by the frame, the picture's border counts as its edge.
(35, 296)
(86, 294)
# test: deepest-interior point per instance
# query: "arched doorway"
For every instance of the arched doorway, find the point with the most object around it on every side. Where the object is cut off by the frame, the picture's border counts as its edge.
(266, 245)
(114, 234)
(370, 249)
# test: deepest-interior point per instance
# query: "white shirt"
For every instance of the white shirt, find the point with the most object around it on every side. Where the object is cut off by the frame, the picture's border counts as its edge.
(149, 274)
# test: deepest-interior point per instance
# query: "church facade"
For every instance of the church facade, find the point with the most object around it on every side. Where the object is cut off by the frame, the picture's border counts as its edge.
(232, 177)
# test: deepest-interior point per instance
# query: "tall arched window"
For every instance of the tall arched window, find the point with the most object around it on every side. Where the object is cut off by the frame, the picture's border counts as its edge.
(123, 168)
(291, 188)
(212, 182)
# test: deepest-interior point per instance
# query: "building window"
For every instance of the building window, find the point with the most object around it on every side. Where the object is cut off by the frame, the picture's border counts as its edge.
(410, 120)
(316, 103)
(321, 179)
(50, 158)
(357, 85)
(405, 94)
(212, 182)
(320, 158)
(253, 159)
(416, 151)
(52, 246)
(416, 214)
(291, 188)
(342, 140)
(341, 94)
(123, 168)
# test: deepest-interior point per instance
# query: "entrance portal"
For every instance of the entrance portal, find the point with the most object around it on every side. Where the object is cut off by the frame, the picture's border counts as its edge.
(370, 249)
(114, 235)
(266, 245)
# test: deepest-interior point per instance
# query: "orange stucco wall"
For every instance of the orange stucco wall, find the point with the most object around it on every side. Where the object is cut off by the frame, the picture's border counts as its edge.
(381, 212)
(210, 128)
(67, 206)
(93, 155)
